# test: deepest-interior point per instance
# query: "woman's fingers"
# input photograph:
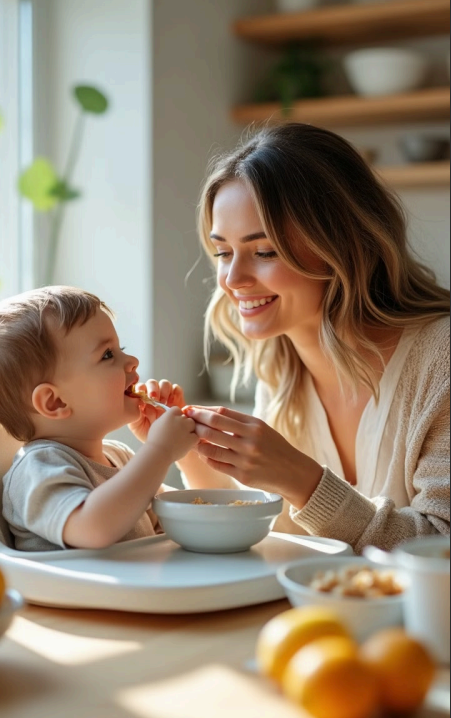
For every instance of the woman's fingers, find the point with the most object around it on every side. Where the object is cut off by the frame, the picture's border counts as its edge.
(224, 420)
(219, 438)
(218, 454)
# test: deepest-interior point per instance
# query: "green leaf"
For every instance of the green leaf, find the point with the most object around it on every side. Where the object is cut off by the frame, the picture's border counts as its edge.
(36, 184)
(63, 192)
(91, 100)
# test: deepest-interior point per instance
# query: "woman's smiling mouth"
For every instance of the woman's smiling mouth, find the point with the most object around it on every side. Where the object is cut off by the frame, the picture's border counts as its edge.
(251, 306)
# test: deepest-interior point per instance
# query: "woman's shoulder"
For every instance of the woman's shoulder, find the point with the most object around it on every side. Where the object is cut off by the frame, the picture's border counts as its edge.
(431, 347)
(427, 365)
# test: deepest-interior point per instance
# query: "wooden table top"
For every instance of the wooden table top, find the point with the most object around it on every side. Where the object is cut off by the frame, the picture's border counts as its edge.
(99, 664)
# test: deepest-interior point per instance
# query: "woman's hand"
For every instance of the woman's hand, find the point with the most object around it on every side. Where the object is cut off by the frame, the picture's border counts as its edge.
(254, 454)
(164, 392)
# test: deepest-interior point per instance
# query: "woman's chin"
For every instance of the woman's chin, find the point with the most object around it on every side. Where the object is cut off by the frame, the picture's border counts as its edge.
(258, 333)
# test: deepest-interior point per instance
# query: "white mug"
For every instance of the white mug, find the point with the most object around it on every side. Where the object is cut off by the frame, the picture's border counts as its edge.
(425, 564)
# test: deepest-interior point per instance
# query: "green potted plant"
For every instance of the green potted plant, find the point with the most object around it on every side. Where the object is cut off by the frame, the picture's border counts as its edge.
(298, 74)
(49, 191)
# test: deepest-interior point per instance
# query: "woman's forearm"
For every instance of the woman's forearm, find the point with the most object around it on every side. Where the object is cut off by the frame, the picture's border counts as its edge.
(114, 507)
(200, 476)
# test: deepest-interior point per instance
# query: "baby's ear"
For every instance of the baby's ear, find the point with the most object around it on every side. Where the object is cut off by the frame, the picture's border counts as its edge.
(48, 404)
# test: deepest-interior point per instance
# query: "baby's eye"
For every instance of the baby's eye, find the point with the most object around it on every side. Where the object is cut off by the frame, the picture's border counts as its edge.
(222, 254)
(108, 355)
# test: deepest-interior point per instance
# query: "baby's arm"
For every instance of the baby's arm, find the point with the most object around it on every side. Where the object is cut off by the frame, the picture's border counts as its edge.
(112, 509)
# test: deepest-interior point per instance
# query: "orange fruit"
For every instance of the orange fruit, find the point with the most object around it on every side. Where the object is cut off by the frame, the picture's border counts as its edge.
(329, 680)
(403, 666)
(286, 633)
(2, 586)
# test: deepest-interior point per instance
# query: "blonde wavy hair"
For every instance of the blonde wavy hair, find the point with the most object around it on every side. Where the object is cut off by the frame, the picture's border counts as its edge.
(314, 191)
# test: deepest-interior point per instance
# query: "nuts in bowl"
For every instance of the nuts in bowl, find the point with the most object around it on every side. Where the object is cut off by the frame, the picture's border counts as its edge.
(366, 597)
(217, 520)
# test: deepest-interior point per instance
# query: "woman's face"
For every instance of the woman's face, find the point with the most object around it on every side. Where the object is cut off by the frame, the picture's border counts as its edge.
(271, 297)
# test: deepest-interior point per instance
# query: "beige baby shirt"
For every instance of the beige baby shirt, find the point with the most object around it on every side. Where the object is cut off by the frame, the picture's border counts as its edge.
(47, 482)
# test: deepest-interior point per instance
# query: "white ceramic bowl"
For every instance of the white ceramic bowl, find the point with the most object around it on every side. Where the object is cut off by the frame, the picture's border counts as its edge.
(296, 5)
(385, 71)
(219, 528)
(12, 603)
(362, 616)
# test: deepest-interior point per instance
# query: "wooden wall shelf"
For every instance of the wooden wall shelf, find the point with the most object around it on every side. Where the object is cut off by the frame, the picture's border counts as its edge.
(428, 174)
(350, 24)
(432, 104)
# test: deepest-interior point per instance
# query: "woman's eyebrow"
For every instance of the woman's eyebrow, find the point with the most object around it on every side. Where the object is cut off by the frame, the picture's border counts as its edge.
(243, 240)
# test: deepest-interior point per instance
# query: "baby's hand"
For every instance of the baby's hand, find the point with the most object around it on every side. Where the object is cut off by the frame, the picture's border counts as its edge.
(173, 434)
(164, 392)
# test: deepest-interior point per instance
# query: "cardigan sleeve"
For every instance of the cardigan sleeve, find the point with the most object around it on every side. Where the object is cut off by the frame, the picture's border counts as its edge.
(337, 510)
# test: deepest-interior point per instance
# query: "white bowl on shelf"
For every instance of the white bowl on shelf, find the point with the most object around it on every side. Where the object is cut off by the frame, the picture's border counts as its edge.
(296, 5)
(219, 527)
(11, 604)
(362, 616)
(385, 71)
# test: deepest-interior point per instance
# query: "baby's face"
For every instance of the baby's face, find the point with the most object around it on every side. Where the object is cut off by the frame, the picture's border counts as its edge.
(92, 375)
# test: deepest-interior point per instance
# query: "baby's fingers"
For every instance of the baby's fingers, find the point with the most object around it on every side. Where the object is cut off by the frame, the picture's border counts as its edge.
(153, 389)
(165, 391)
(177, 398)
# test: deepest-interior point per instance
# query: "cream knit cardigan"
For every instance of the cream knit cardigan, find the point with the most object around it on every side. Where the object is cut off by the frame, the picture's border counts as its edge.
(416, 434)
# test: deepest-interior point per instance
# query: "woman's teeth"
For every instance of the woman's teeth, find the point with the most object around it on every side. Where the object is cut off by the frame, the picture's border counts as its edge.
(257, 303)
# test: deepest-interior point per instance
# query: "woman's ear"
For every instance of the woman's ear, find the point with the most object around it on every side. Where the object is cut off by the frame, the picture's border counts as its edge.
(48, 404)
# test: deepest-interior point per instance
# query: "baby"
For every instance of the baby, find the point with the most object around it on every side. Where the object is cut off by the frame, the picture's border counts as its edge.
(63, 387)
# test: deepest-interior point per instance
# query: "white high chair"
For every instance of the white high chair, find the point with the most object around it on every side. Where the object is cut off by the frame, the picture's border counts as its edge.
(8, 448)
(150, 575)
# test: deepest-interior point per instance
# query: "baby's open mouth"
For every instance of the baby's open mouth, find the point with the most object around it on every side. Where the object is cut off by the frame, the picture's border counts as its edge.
(142, 396)
(134, 394)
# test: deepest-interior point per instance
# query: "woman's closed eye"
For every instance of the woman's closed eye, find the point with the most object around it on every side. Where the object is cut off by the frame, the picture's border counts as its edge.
(260, 255)
(266, 255)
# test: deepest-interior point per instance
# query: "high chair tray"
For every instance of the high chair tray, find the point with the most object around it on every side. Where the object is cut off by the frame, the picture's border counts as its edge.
(155, 575)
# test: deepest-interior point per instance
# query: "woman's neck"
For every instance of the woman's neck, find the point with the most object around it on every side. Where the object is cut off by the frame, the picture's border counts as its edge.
(321, 367)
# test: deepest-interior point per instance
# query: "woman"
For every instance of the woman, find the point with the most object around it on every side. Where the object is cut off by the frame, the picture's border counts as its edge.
(320, 296)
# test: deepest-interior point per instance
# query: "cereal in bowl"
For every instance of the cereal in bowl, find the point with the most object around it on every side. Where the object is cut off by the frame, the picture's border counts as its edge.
(357, 582)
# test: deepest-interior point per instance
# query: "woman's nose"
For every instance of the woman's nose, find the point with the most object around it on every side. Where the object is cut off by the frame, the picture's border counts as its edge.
(238, 275)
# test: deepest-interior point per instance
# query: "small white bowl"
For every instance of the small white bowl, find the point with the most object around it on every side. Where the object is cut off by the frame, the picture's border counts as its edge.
(385, 71)
(12, 603)
(362, 616)
(219, 528)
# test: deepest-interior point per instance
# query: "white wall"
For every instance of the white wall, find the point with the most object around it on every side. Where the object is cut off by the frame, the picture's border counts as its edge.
(106, 239)
(200, 71)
